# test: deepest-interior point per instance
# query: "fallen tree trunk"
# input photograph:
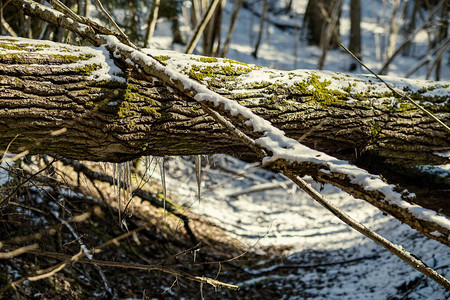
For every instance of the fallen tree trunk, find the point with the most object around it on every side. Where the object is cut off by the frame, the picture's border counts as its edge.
(45, 87)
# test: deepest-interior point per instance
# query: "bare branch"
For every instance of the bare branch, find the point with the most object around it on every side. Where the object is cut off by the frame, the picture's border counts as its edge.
(18, 251)
(77, 258)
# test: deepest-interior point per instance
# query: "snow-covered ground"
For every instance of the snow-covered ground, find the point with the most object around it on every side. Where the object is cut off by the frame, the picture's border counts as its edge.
(286, 215)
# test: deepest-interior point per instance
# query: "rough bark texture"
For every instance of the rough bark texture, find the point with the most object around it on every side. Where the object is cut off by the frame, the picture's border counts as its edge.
(146, 118)
(111, 121)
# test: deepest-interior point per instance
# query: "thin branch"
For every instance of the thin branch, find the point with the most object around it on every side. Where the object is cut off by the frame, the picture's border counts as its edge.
(18, 251)
(114, 23)
(24, 182)
(58, 5)
(397, 250)
(7, 148)
(84, 249)
(201, 26)
(124, 265)
(8, 28)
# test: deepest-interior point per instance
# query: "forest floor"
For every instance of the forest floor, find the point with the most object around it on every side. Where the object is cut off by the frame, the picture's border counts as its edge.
(294, 250)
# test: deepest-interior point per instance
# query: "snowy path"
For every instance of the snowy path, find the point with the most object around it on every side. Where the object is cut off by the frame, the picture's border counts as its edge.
(289, 217)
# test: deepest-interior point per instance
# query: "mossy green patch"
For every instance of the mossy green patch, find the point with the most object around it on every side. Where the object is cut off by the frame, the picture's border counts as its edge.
(34, 47)
(18, 81)
(199, 72)
(318, 91)
(12, 58)
(205, 59)
(68, 59)
(406, 107)
(10, 47)
(7, 39)
(128, 108)
(208, 59)
(162, 58)
(150, 110)
(427, 89)
(109, 84)
(87, 69)
(23, 46)
(231, 61)
(375, 131)
(131, 104)
(257, 85)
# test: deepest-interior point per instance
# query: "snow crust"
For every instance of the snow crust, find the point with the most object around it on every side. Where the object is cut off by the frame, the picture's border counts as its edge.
(107, 70)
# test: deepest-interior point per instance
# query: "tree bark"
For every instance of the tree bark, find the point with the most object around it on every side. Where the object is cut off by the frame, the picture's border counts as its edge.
(111, 121)
(49, 103)
(355, 31)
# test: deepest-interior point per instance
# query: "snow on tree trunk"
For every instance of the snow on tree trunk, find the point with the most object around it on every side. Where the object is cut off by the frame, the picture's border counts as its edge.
(112, 114)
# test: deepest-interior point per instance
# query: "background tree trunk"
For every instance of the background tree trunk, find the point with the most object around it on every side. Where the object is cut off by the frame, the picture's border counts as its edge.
(355, 31)
(317, 17)
(234, 16)
(443, 33)
(327, 34)
(200, 27)
(212, 33)
(261, 29)
(151, 23)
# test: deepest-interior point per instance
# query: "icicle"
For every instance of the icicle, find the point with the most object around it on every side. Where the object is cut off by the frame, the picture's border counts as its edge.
(119, 175)
(195, 254)
(198, 173)
(149, 169)
(114, 176)
(127, 180)
(162, 168)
